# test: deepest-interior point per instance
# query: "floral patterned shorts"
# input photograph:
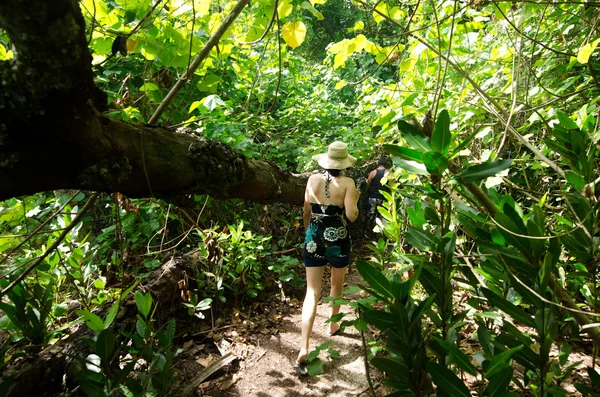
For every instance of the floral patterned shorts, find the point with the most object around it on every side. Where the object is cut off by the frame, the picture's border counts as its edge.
(327, 239)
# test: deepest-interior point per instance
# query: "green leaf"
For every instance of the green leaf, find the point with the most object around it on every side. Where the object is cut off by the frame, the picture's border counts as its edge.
(499, 383)
(293, 33)
(500, 361)
(393, 367)
(141, 327)
(382, 320)
(422, 240)
(93, 322)
(375, 279)
(457, 355)
(584, 53)
(447, 380)
(565, 351)
(414, 137)
(508, 308)
(404, 152)
(212, 101)
(566, 121)
(594, 376)
(485, 340)
(316, 367)
(575, 180)
(481, 171)
(105, 345)
(411, 166)
(436, 163)
(546, 271)
(441, 137)
(143, 303)
(111, 314)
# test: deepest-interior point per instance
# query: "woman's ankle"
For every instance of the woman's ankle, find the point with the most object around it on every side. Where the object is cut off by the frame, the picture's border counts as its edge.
(302, 355)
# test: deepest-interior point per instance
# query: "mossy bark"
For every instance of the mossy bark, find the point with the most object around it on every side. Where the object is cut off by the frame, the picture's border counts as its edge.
(53, 134)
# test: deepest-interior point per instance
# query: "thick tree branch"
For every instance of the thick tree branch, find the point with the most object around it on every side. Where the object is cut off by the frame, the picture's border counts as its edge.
(107, 155)
(53, 136)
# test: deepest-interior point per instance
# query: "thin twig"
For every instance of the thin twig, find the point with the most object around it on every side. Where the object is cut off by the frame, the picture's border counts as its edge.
(40, 227)
(267, 29)
(528, 288)
(59, 240)
(213, 41)
(366, 359)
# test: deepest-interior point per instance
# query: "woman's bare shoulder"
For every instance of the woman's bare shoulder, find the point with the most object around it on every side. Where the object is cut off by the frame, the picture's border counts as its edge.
(347, 181)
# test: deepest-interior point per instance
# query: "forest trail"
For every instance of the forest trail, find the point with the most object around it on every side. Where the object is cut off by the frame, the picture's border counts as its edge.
(269, 370)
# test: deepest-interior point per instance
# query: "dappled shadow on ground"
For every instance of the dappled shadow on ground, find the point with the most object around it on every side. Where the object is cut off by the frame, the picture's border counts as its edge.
(270, 371)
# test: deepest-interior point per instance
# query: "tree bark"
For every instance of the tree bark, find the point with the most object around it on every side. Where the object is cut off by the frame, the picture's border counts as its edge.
(53, 134)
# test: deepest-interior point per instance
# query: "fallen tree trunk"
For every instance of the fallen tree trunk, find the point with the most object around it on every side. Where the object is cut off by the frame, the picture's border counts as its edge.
(53, 134)
(140, 161)
(42, 374)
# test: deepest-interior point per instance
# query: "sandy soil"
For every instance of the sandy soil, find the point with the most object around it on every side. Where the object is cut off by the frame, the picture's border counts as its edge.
(269, 369)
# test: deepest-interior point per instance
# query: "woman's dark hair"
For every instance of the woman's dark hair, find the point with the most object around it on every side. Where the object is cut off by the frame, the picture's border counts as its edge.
(383, 161)
(334, 172)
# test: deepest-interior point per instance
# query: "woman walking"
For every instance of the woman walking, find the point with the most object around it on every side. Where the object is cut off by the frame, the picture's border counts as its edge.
(328, 197)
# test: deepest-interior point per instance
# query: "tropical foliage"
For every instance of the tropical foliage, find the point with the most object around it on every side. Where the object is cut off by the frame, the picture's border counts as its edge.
(489, 111)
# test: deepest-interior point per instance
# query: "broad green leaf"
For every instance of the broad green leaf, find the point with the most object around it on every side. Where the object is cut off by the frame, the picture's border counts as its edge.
(111, 314)
(485, 340)
(441, 137)
(457, 356)
(340, 84)
(500, 361)
(316, 367)
(575, 180)
(210, 83)
(284, 8)
(393, 367)
(584, 53)
(566, 121)
(375, 279)
(149, 87)
(310, 8)
(414, 137)
(358, 25)
(594, 376)
(411, 166)
(435, 162)
(404, 152)
(212, 101)
(382, 320)
(478, 172)
(105, 345)
(447, 380)
(93, 322)
(294, 33)
(515, 312)
(499, 383)
(143, 303)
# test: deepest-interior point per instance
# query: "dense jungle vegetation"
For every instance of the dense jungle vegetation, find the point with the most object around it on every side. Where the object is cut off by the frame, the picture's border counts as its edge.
(153, 154)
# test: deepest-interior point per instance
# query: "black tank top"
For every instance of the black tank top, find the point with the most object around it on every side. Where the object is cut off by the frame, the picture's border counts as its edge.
(376, 185)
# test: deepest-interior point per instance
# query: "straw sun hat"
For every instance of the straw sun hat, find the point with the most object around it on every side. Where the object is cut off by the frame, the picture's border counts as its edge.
(336, 158)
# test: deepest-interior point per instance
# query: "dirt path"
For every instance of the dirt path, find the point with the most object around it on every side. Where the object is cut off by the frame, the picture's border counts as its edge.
(269, 370)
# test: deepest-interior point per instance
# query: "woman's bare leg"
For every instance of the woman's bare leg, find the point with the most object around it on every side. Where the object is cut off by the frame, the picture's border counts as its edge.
(314, 280)
(337, 283)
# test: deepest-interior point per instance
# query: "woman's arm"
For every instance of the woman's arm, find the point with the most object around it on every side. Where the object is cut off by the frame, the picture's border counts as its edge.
(307, 209)
(370, 178)
(351, 201)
